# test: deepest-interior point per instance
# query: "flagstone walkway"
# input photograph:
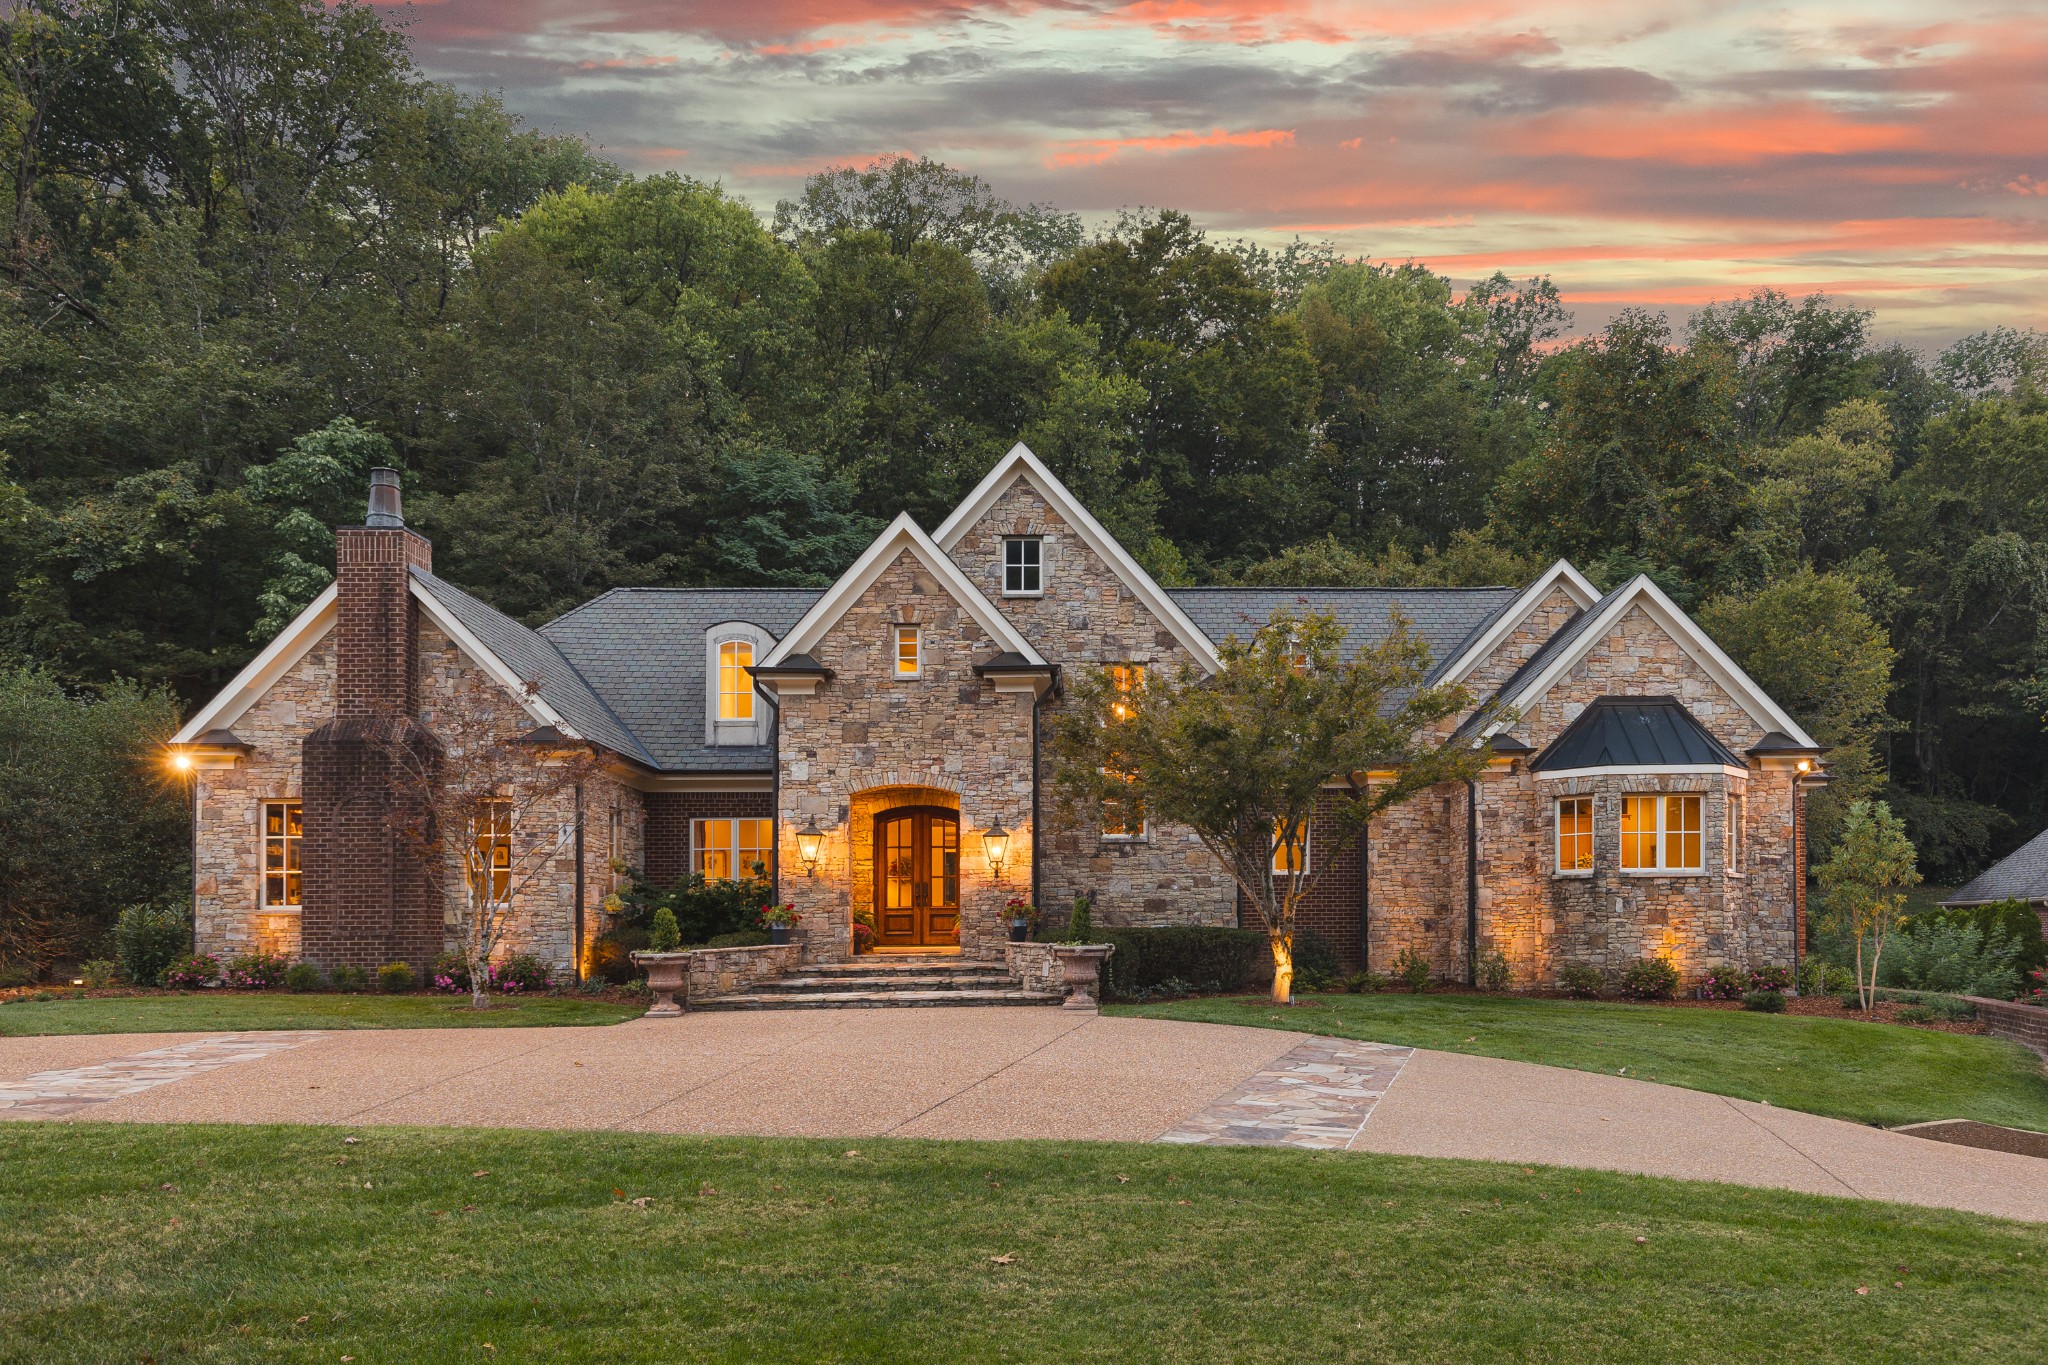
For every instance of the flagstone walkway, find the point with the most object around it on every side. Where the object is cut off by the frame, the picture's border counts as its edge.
(1317, 1096)
(67, 1090)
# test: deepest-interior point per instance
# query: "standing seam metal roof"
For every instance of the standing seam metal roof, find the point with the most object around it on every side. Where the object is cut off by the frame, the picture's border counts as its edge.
(1633, 732)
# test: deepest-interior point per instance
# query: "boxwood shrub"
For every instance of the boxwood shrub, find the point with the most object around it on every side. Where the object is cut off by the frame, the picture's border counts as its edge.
(1209, 961)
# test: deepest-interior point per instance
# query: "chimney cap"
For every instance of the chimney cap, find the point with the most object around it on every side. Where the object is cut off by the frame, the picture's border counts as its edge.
(387, 509)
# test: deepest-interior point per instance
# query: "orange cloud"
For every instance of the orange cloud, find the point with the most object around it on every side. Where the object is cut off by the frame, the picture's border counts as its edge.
(1092, 151)
(1714, 137)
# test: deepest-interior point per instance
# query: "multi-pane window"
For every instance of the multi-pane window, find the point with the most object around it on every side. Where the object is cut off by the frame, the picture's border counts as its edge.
(494, 846)
(1123, 810)
(909, 652)
(1129, 680)
(727, 850)
(735, 684)
(1023, 567)
(1290, 855)
(1734, 839)
(1660, 833)
(282, 830)
(1575, 834)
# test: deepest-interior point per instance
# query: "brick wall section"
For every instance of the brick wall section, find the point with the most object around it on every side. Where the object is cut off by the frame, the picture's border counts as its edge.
(1087, 618)
(2026, 1024)
(669, 817)
(865, 729)
(375, 617)
(1331, 907)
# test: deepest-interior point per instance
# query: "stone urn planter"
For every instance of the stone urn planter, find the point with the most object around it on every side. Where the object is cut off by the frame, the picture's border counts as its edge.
(664, 978)
(1081, 966)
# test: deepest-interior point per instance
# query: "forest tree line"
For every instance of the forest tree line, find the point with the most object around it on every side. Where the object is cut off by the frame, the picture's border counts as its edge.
(251, 251)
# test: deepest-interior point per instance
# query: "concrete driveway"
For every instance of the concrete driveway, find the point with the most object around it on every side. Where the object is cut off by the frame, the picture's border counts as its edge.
(997, 1073)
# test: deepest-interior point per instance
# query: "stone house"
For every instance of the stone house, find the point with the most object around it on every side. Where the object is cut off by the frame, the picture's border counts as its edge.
(877, 747)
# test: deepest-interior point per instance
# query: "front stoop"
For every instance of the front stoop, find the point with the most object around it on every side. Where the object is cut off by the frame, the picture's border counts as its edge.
(875, 984)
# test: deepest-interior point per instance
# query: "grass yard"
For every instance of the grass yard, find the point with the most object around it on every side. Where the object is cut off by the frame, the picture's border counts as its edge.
(130, 1242)
(207, 1011)
(1870, 1073)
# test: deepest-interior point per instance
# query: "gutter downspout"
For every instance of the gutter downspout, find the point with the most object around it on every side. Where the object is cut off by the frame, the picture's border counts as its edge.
(1050, 694)
(774, 790)
(1471, 882)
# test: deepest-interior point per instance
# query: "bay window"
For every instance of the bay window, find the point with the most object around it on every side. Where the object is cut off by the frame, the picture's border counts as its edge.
(1661, 833)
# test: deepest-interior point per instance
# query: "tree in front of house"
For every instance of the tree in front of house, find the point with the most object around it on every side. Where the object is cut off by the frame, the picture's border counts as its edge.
(482, 807)
(1242, 757)
(1864, 884)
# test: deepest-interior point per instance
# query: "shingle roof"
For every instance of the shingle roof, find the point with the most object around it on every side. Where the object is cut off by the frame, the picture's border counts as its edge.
(642, 650)
(536, 660)
(1633, 732)
(2021, 875)
(1445, 618)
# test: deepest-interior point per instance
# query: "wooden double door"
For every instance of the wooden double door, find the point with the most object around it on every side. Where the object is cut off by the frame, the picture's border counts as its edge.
(917, 877)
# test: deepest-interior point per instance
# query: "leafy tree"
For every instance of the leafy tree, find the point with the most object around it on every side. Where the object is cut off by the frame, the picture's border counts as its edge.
(1241, 757)
(1792, 362)
(1473, 559)
(1863, 882)
(781, 520)
(307, 491)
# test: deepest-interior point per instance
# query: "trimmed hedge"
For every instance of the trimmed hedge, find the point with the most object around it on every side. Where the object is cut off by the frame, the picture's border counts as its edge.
(1220, 961)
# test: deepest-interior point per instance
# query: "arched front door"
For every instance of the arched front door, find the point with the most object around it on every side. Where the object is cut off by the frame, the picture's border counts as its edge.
(917, 877)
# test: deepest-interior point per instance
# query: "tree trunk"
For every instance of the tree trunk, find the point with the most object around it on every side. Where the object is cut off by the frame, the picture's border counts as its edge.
(1283, 967)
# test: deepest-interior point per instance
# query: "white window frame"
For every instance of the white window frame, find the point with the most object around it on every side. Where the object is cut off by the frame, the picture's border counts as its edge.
(718, 731)
(1663, 834)
(1307, 834)
(1137, 836)
(733, 846)
(1037, 565)
(263, 901)
(1591, 836)
(896, 669)
(1731, 834)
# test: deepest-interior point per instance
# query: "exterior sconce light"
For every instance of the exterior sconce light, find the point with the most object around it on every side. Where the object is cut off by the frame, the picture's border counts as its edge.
(995, 841)
(182, 761)
(808, 841)
(1806, 765)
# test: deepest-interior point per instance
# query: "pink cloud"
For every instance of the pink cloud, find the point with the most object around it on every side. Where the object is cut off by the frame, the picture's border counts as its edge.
(1094, 151)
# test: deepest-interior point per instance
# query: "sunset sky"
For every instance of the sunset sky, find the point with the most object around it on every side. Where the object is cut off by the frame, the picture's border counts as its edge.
(1661, 152)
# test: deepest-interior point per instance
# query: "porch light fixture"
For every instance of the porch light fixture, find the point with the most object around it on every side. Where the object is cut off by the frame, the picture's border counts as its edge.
(1806, 765)
(808, 841)
(182, 761)
(995, 841)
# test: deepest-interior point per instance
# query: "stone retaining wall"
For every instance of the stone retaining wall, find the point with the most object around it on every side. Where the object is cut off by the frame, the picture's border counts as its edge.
(2026, 1024)
(1034, 966)
(712, 972)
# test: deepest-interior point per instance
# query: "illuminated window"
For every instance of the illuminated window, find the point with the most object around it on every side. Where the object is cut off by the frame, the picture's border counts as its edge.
(1123, 814)
(1575, 834)
(909, 652)
(1734, 839)
(735, 684)
(1660, 833)
(1290, 855)
(494, 847)
(282, 830)
(1023, 569)
(1128, 680)
(728, 850)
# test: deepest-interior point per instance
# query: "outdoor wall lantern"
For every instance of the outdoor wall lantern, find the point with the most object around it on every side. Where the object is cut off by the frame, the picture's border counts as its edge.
(995, 841)
(808, 841)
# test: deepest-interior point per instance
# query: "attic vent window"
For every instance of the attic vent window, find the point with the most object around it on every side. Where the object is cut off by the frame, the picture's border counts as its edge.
(1023, 567)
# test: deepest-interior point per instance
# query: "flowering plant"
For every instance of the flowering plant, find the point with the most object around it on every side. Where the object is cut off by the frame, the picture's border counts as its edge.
(1770, 979)
(784, 913)
(2039, 994)
(863, 937)
(191, 972)
(1019, 908)
(1724, 983)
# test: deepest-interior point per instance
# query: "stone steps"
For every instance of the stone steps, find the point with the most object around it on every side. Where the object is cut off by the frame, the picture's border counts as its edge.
(876, 981)
(884, 999)
(884, 982)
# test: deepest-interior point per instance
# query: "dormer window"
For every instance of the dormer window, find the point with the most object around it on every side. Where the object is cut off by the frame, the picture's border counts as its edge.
(1023, 566)
(734, 713)
(735, 684)
(909, 652)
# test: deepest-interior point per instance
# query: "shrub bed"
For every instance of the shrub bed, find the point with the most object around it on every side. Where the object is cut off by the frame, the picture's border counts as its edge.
(1180, 961)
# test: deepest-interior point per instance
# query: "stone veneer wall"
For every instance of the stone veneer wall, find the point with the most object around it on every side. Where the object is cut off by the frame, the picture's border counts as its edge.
(947, 729)
(1548, 617)
(711, 972)
(669, 817)
(1087, 618)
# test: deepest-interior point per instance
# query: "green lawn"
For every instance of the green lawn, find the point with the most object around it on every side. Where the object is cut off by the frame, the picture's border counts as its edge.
(1871, 1073)
(207, 1011)
(140, 1242)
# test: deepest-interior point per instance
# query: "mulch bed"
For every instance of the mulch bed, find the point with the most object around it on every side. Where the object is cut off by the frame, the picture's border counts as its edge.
(611, 995)
(1827, 1006)
(1989, 1136)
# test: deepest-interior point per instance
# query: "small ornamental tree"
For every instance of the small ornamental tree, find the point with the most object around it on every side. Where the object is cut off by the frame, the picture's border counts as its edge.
(481, 809)
(1242, 756)
(1863, 884)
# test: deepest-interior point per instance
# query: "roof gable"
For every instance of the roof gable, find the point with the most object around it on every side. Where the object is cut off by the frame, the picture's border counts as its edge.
(1020, 463)
(1474, 651)
(1634, 732)
(277, 658)
(903, 536)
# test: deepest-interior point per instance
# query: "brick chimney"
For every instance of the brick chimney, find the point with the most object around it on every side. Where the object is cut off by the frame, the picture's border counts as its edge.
(374, 672)
(365, 898)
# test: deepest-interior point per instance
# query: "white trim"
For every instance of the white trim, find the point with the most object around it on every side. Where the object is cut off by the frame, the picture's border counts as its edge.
(752, 731)
(1039, 565)
(529, 699)
(1592, 836)
(1559, 575)
(1659, 837)
(1637, 770)
(292, 644)
(896, 669)
(1641, 592)
(1021, 463)
(903, 534)
(642, 781)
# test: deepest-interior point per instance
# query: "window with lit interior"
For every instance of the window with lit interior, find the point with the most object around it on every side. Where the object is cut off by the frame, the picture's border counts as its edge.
(731, 850)
(283, 828)
(1660, 833)
(1290, 855)
(1574, 834)
(909, 652)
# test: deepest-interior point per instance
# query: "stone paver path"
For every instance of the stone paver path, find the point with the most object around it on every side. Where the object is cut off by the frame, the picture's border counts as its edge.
(1318, 1095)
(53, 1094)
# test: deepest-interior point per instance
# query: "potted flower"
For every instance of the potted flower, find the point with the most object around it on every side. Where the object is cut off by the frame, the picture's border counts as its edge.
(663, 963)
(1081, 961)
(863, 931)
(778, 919)
(1024, 918)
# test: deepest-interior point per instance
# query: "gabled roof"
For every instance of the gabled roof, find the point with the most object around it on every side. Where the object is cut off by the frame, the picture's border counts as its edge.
(1442, 617)
(2021, 875)
(903, 536)
(643, 650)
(1572, 643)
(292, 644)
(1020, 463)
(1487, 637)
(1634, 732)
